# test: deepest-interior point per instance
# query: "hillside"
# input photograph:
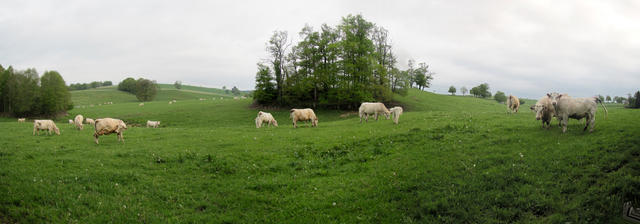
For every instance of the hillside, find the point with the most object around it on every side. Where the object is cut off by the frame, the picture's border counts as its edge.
(452, 159)
(166, 92)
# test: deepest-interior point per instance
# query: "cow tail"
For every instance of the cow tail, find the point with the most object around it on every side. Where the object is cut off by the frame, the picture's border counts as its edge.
(603, 107)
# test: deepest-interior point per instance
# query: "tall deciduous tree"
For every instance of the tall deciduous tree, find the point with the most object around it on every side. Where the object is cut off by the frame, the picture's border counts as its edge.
(265, 91)
(463, 90)
(277, 47)
(55, 96)
(128, 85)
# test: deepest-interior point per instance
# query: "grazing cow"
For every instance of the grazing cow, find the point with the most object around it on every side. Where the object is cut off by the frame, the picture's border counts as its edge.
(21, 120)
(153, 124)
(396, 112)
(170, 102)
(577, 108)
(306, 114)
(89, 121)
(367, 109)
(48, 125)
(106, 126)
(78, 121)
(71, 122)
(544, 111)
(264, 117)
(513, 103)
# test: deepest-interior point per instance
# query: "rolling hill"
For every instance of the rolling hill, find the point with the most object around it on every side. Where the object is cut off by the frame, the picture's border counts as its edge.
(451, 159)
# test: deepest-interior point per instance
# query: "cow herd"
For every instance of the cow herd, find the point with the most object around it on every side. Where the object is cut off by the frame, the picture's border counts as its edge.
(561, 106)
(307, 114)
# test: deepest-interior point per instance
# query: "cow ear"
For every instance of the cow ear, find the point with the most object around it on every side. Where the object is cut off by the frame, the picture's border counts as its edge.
(549, 95)
(559, 95)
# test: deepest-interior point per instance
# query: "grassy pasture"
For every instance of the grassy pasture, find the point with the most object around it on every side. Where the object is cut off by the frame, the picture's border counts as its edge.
(451, 159)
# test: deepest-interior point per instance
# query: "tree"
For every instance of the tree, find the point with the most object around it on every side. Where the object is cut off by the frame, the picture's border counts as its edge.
(483, 90)
(55, 96)
(95, 84)
(521, 101)
(265, 91)
(500, 97)
(128, 85)
(178, 84)
(634, 100)
(235, 91)
(107, 83)
(452, 90)
(277, 47)
(463, 90)
(618, 99)
(608, 98)
(145, 90)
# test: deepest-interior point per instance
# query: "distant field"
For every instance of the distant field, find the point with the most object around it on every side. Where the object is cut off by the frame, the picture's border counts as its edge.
(166, 92)
(451, 159)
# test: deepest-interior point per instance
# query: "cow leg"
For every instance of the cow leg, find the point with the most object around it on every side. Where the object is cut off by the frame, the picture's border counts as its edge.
(592, 122)
(294, 124)
(565, 120)
(95, 136)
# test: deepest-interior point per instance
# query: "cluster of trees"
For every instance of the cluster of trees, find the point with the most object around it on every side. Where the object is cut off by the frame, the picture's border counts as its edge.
(178, 84)
(94, 84)
(335, 67)
(481, 90)
(25, 93)
(634, 100)
(144, 89)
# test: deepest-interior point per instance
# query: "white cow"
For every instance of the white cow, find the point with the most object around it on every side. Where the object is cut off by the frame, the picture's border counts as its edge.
(106, 126)
(513, 103)
(577, 108)
(544, 111)
(21, 120)
(153, 124)
(367, 109)
(48, 125)
(306, 114)
(264, 117)
(89, 121)
(396, 112)
(78, 121)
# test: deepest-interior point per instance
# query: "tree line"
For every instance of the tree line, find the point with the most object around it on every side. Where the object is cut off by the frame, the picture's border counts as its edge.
(25, 93)
(335, 67)
(94, 84)
(144, 89)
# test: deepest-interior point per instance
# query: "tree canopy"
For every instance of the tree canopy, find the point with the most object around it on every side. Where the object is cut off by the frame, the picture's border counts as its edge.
(24, 93)
(334, 67)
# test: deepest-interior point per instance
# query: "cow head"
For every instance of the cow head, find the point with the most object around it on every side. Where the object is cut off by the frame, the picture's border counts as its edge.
(554, 97)
(275, 123)
(539, 109)
(122, 125)
(56, 130)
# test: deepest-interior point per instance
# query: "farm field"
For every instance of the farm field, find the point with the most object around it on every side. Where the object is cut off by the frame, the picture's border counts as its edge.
(451, 159)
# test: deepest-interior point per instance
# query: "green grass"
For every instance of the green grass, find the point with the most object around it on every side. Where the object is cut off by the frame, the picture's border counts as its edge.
(451, 159)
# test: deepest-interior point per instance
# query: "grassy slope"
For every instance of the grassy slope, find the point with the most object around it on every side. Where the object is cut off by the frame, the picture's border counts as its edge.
(451, 159)
(166, 92)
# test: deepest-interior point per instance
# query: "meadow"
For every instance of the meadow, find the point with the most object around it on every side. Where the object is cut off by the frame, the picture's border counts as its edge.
(451, 159)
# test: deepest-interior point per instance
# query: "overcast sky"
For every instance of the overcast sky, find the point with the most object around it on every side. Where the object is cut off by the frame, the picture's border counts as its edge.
(525, 48)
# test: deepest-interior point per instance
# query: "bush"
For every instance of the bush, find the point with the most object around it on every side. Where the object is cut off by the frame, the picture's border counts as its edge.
(128, 85)
(146, 90)
(23, 93)
(500, 97)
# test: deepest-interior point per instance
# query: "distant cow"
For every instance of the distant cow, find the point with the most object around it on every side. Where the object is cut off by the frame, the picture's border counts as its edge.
(306, 114)
(106, 126)
(153, 124)
(577, 108)
(141, 104)
(264, 117)
(48, 125)
(513, 104)
(544, 111)
(89, 121)
(375, 109)
(21, 120)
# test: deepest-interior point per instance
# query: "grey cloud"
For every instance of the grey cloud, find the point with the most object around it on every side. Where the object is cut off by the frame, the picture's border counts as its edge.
(525, 48)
